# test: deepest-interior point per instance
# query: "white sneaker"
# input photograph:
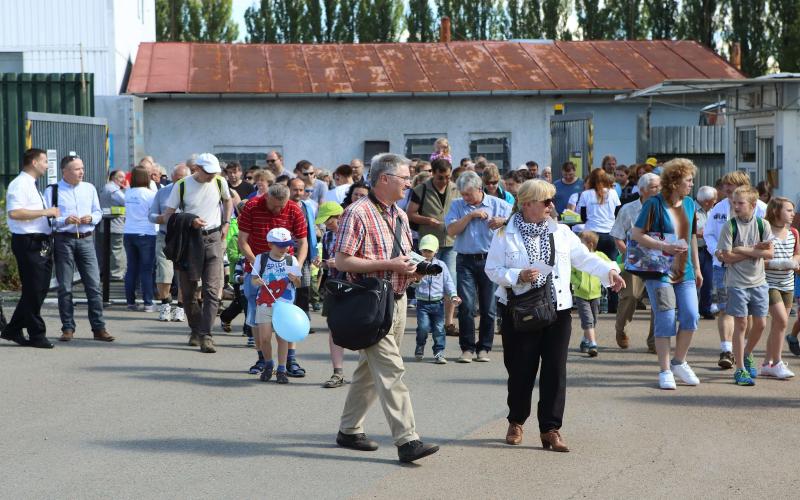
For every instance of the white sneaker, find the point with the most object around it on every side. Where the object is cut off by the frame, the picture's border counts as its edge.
(685, 373)
(164, 312)
(779, 371)
(666, 380)
(178, 314)
(466, 357)
(439, 358)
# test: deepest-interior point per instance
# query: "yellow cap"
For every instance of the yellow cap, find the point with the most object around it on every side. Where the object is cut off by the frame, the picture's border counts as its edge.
(429, 242)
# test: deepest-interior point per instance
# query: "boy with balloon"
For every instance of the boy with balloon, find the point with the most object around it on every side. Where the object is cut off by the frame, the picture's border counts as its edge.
(277, 275)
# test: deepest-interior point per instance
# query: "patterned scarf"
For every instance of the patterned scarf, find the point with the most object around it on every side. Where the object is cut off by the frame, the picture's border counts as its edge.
(530, 231)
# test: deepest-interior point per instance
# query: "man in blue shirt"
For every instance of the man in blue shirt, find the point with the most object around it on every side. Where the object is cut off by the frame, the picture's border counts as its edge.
(74, 246)
(566, 186)
(472, 220)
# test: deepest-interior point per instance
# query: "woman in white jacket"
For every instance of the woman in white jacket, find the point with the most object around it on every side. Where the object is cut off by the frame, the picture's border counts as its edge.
(531, 240)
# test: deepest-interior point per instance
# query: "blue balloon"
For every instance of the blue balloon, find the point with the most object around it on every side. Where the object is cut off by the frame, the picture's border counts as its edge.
(289, 321)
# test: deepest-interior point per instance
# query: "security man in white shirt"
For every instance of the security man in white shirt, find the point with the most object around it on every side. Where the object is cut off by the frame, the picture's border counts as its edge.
(73, 246)
(31, 245)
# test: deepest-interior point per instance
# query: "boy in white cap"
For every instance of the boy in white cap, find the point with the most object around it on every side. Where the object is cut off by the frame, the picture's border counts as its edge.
(276, 274)
(430, 294)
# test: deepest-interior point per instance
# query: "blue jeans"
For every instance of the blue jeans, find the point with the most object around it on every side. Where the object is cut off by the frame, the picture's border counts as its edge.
(140, 250)
(473, 285)
(707, 271)
(430, 318)
(71, 254)
(448, 256)
(673, 303)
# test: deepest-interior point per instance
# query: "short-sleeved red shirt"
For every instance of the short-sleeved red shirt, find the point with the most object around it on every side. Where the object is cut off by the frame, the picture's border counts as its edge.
(256, 220)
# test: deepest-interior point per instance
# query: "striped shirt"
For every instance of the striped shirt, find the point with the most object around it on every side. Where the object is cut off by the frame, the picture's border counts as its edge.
(782, 279)
(256, 220)
(367, 231)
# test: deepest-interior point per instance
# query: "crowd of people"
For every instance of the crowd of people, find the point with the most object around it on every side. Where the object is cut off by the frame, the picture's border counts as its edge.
(263, 235)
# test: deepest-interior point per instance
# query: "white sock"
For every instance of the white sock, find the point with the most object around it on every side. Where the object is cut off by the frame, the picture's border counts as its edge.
(726, 346)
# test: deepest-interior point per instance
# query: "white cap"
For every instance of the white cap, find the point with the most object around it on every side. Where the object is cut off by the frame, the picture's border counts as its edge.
(208, 163)
(522, 167)
(279, 236)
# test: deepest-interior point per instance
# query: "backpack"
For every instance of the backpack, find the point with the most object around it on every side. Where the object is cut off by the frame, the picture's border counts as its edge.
(759, 222)
(287, 260)
(414, 226)
(182, 191)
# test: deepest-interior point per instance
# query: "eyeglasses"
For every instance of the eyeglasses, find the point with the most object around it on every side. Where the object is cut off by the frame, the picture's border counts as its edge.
(425, 170)
(401, 177)
(309, 190)
(549, 201)
(309, 174)
(249, 178)
(271, 161)
(492, 183)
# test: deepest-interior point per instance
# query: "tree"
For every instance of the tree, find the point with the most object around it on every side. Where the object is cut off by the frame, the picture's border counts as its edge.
(554, 18)
(592, 20)
(330, 19)
(785, 34)
(365, 26)
(290, 20)
(195, 21)
(699, 20)
(420, 22)
(313, 22)
(662, 16)
(345, 28)
(748, 27)
(260, 23)
(626, 19)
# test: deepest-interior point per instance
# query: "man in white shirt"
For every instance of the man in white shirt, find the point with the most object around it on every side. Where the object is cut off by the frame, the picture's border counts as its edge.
(343, 177)
(30, 243)
(201, 194)
(73, 246)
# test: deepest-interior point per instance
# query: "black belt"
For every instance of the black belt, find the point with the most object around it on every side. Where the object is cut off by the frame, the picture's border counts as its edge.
(399, 296)
(211, 231)
(32, 236)
(420, 301)
(75, 236)
(476, 256)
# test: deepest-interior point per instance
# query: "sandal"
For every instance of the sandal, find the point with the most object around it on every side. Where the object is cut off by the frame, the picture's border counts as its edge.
(335, 381)
(293, 369)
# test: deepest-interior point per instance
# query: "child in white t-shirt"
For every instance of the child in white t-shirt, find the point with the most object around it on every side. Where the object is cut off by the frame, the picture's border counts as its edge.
(273, 274)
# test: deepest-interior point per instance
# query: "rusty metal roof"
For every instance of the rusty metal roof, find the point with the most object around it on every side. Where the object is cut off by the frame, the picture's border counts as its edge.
(420, 68)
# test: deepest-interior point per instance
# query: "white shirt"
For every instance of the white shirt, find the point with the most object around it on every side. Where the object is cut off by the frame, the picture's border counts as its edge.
(22, 193)
(718, 217)
(599, 218)
(201, 199)
(337, 194)
(79, 200)
(137, 211)
(508, 257)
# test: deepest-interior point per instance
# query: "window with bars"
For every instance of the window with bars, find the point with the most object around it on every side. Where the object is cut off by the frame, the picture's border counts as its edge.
(246, 160)
(421, 145)
(494, 147)
(746, 145)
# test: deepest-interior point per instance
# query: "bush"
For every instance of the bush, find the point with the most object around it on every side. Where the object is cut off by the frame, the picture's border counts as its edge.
(9, 272)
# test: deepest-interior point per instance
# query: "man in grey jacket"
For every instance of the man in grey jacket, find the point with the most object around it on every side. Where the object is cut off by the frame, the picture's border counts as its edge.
(112, 195)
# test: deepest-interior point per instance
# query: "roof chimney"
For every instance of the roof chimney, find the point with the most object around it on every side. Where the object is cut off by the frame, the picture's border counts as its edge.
(444, 30)
(736, 56)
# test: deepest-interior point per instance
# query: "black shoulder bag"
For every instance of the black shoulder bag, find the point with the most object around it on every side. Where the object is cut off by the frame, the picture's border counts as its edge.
(361, 312)
(533, 310)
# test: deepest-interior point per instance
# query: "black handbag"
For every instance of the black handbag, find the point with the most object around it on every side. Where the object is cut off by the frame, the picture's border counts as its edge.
(361, 312)
(535, 309)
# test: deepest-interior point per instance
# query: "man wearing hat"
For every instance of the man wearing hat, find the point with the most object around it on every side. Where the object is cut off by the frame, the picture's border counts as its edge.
(202, 194)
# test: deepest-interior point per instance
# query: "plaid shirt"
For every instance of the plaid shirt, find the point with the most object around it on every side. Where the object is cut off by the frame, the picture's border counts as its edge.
(365, 233)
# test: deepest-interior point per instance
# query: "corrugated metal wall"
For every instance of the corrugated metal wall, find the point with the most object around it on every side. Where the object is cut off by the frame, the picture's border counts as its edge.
(23, 92)
(571, 137)
(704, 145)
(85, 136)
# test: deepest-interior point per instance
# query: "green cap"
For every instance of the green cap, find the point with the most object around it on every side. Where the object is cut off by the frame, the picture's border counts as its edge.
(328, 210)
(429, 242)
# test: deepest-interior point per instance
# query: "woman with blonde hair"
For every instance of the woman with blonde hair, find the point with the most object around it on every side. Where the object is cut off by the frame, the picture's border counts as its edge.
(535, 306)
(668, 224)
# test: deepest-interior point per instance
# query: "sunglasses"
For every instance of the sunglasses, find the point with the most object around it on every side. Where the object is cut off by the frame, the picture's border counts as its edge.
(492, 183)
(249, 178)
(309, 190)
(271, 161)
(549, 201)
(309, 174)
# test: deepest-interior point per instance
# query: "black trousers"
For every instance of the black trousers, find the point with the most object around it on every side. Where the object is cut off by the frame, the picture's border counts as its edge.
(523, 354)
(35, 271)
(606, 245)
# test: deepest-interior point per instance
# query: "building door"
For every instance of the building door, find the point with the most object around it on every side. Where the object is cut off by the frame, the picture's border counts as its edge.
(571, 139)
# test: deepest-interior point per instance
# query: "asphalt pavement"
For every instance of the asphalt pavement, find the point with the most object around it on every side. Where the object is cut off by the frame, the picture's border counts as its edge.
(149, 417)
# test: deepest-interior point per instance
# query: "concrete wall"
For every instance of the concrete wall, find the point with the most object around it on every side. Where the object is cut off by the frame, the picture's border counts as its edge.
(615, 125)
(329, 132)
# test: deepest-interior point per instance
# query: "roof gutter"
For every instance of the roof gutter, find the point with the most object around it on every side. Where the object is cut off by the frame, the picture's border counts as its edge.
(380, 95)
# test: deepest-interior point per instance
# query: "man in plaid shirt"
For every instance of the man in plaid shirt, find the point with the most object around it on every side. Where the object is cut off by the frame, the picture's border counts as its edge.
(374, 239)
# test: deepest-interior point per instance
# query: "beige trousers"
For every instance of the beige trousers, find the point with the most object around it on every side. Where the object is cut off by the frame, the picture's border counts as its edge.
(379, 375)
(628, 298)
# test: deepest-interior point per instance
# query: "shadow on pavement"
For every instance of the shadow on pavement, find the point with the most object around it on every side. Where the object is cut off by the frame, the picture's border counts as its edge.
(704, 400)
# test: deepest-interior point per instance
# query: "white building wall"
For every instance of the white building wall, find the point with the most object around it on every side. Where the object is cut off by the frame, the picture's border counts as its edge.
(50, 33)
(330, 132)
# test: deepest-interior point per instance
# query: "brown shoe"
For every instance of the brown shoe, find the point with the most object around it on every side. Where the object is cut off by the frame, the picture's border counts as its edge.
(450, 330)
(66, 335)
(103, 336)
(514, 433)
(207, 344)
(552, 438)
(622, 340)
(194, 340)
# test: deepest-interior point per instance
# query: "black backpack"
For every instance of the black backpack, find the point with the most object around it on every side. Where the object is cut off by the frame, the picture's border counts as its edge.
(361, 312)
